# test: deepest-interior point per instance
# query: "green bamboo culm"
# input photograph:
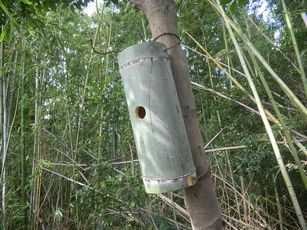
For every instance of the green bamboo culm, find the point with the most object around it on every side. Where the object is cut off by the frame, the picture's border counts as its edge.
(295, 46)
(279, 209)
(23, 141)
(282, 123)
(3, 177)
(1, 116)
(265, 121)
(296, 102)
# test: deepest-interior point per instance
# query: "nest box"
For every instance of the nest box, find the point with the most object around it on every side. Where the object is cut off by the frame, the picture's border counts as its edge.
(160, 135)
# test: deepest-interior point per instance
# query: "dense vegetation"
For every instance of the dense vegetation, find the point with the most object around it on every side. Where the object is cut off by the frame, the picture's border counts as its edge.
(68, 154)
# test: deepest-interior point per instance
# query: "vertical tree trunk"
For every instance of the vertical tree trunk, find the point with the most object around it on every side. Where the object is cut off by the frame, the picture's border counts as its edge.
(200, 199)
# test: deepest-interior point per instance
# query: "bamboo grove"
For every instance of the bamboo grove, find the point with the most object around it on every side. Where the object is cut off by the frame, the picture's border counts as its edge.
(67, 151)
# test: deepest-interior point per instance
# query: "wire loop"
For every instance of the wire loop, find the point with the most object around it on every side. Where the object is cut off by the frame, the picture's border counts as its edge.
(171, 34)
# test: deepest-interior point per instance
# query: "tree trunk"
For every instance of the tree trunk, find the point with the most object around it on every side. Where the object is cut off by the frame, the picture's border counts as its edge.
(200, 199)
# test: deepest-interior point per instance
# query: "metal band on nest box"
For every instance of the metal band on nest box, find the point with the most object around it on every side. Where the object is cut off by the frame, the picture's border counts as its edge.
(161, 140)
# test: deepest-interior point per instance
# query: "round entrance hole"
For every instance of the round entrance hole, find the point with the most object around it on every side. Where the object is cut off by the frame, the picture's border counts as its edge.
(140, 112)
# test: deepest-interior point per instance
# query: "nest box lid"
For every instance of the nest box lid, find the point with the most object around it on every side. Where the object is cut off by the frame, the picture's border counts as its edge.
(143, 50)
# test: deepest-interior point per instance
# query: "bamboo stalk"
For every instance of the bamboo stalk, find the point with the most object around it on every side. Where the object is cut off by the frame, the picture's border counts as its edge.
(227, 52)
(198, 87)
(132, 161)
(225, 148)
(217, 63)
(231, 77)
(296, 102)
(265, 121)
(214, 60)
(213, 138)
(171, 203)
(278, 204)
(245, 215)
(295, 46)
(174, 212)
(274, 45)
(302, 147)
(4, 137)
(23, 141)
(282, 123)
(84, 89)
(36, 171)
(270, 118)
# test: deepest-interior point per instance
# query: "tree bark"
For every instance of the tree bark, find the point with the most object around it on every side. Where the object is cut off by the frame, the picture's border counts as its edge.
(200, 199)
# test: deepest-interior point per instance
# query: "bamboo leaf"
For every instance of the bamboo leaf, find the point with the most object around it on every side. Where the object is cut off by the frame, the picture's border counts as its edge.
(27, 2)
(3, 34)
(224, 2)
(295, 46)
(7, 12)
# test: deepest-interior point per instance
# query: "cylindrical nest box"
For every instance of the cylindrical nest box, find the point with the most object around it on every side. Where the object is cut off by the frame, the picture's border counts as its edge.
(161, 140)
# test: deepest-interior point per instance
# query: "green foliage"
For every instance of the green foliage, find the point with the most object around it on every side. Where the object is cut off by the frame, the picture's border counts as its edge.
(33, 12)
(83, 169)
(234, 4)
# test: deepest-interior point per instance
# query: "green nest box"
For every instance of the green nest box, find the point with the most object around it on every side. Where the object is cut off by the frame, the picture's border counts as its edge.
(161, 140)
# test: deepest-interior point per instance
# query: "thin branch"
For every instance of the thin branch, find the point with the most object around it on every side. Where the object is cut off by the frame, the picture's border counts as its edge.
(218, 61)
(201, 87)
(226, 148)
(212, 139)
(184, 213)
(72, 180)
(103, 52)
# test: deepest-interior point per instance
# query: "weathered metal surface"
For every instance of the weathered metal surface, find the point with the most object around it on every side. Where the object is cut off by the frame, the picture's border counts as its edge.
(158, 126)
